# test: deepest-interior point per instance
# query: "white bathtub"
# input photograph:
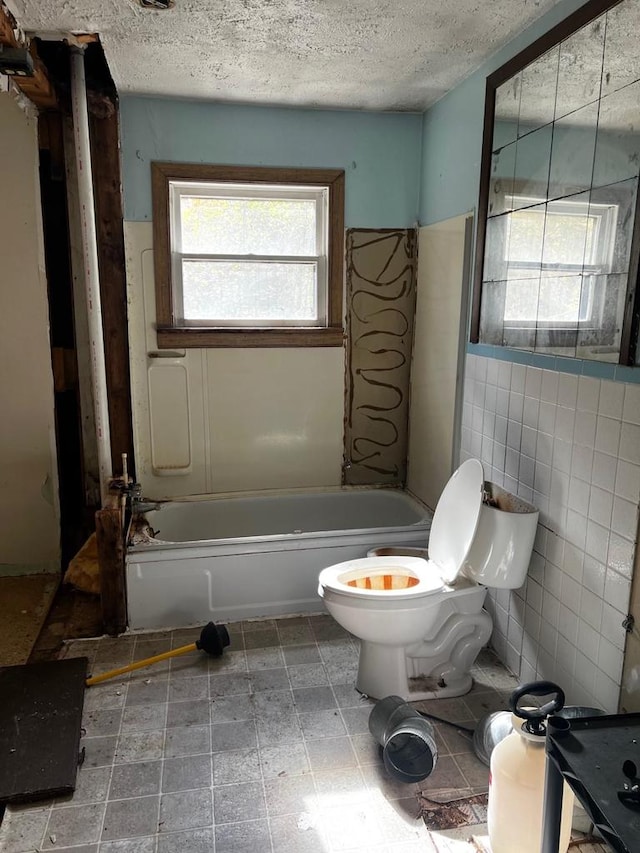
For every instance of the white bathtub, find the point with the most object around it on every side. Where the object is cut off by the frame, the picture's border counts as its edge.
(247, 556)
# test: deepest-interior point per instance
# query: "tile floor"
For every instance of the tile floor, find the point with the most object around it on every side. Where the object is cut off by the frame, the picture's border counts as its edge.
(264, 749)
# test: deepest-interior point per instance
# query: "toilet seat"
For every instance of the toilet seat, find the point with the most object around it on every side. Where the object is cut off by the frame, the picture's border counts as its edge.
(452, 531)
(456, 518)
(349, 578)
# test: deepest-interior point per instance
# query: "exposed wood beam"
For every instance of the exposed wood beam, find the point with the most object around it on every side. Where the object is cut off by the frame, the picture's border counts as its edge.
(110, 540)
(104, 133)
(37, 88)
(7, 25)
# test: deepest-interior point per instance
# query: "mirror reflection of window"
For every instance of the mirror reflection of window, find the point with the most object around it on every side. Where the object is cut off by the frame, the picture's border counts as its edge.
(561, 197)
(566, 244)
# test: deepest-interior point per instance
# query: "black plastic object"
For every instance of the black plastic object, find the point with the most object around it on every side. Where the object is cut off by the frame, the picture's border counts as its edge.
(535, 717)
(407, 739)
(595, 758)
(558, 726)
(40, 719)
(213, 639)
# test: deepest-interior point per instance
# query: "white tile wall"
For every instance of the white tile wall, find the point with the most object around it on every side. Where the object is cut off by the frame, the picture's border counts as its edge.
(571, 446)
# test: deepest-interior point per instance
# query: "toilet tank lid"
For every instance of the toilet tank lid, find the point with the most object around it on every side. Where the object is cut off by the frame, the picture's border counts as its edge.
(456, 519)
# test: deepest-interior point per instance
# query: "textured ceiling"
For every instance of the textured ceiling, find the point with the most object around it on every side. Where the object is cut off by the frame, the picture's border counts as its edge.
(358, 54)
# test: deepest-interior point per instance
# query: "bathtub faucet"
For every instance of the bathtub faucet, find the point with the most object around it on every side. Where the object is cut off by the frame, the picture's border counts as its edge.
(137, 503)
(142, 505)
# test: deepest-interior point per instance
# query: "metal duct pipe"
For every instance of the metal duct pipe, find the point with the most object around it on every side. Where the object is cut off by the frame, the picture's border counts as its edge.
(91, 273)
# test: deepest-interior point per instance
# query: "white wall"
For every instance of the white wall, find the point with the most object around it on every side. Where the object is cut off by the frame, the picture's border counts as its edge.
(222, 420)
(29, 520)
(571, 445)
(436, 356)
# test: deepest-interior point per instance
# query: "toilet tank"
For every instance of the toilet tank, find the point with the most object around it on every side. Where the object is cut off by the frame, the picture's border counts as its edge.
(501, 550)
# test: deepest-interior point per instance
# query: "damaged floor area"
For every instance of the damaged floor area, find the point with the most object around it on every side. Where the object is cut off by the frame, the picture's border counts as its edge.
(264, 749)
(25, 603)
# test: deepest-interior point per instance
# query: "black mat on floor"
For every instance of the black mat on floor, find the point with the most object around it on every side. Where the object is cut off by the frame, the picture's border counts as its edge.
(40, 719)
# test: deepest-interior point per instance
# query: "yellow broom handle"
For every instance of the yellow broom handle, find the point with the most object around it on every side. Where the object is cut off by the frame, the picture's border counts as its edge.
(96, 679)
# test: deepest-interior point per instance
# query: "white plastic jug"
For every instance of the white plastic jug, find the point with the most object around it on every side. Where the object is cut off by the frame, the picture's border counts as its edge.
(516, 782)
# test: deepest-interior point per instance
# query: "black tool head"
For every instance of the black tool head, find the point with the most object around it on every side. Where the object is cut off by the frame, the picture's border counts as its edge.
(213, 639)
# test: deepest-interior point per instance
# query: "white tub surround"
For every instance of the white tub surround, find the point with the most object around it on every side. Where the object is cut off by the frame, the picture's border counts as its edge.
(258, 555)
(227, 419)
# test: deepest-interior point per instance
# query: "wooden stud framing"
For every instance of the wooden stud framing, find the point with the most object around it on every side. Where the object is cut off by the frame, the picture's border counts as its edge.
(110, 540)
(105, 157)
(37, 88)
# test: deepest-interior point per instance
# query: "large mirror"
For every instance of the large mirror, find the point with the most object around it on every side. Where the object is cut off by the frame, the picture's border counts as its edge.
(557, 247)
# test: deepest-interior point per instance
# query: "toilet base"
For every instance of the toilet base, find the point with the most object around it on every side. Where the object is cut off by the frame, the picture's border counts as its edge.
(436, 670)
(376, 682)
(419, 691)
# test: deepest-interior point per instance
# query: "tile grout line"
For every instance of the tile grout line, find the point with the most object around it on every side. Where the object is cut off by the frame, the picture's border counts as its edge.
(259, 750)
(211, 758)
(316, 815)
(164, 751)
(125, 685)
(359, 767)
(156, 834)
(113, 759)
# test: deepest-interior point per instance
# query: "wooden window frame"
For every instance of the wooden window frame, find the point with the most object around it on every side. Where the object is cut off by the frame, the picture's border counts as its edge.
(171, 334)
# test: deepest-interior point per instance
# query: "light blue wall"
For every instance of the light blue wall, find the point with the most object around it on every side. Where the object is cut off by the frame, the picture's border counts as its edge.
(380, 152)
(452, 131)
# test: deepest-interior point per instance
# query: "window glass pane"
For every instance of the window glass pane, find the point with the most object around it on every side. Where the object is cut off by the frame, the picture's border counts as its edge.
(239, 226)
(521, 300)
(232, 291)
(526, 237)
(555, 298)
(566, 236)
(562, 299)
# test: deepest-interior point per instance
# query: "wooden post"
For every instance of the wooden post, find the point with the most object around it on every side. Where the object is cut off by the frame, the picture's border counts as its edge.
(110, 539)
(105, 155)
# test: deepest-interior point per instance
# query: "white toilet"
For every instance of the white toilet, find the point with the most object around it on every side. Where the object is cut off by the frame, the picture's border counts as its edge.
(421, 622)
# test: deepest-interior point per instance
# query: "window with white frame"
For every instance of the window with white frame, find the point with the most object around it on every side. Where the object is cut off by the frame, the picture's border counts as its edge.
(248, 257)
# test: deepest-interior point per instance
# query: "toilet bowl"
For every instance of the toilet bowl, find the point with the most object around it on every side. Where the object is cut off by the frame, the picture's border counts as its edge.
(421, 620)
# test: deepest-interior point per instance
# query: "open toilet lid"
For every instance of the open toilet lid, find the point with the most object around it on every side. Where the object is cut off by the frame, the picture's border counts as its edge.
(456, 518)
